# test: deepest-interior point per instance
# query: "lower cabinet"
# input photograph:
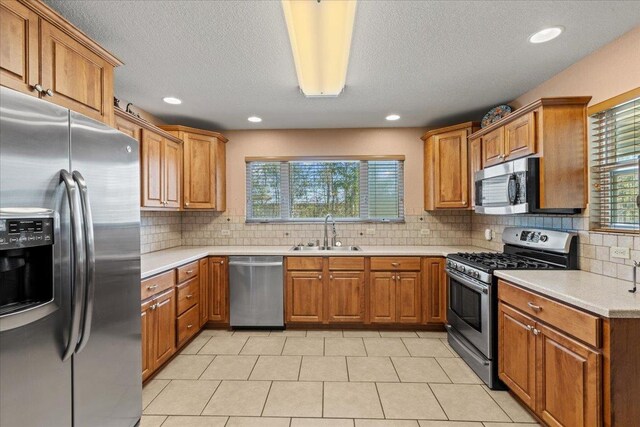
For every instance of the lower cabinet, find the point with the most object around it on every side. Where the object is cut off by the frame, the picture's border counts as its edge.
(554, 374)
(146, 320)
(204, 291)
(217, 291)
(304, 301)
(158, 316)
(345, 295)
(434, 291)
(395, 297)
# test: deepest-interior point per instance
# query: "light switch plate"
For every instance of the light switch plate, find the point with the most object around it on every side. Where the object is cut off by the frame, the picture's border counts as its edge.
(370, 231)
(425, 232)
(619, 252)
(225, 232)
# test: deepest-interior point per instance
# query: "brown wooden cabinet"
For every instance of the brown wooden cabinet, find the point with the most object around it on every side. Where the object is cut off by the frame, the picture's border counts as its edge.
(475, 165)
(164, 327)
(43, 55)
(204, 290)
(204, 168)
(304, 297)
(408, 297)
(146, 328)
(446, 167)
(161, 164)
(395, 297)
(555, 130)
(556, 375)
(434, 291)
(217, 291)
(345, 297)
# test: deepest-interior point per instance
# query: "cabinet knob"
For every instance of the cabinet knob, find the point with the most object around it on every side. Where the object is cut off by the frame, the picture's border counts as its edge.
(189, 271)
(395, 264)
(534, 307)
(152, 287)
(38, 88)
(186, 203)
(319, 276)
(48, 92)
(221, 262)
(154, 306)
(536, 332)
(529, 328)
(189, 296)
(331, 277)
(189, 326)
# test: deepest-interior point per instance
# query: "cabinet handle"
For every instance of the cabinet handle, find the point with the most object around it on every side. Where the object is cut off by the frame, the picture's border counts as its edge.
(189, 296)
(189, 271)
(48, 92)
(534, 307)
(319, 276)
(529, 328)
(535, 331)
(152, 287)
(186, 203)
(38, 88)
(221, 262)
(331, 276)
(189, 326)
(395, 264)
(154, 306)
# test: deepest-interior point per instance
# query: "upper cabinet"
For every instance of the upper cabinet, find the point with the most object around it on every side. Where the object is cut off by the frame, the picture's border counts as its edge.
(160, 162)
(204, 179)
(43, 55)
(553, 129)
(447, 178)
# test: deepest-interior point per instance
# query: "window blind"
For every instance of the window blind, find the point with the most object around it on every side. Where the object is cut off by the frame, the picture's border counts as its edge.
(616, 151)
(307, 190)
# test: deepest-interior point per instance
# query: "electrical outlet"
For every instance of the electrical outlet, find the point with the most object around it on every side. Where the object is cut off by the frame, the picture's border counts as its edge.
(425, 232)
(370, 231)
(225, 232)
(619, 252)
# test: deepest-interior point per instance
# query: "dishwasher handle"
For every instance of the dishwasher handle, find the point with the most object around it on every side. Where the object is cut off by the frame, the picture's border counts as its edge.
(256, 264)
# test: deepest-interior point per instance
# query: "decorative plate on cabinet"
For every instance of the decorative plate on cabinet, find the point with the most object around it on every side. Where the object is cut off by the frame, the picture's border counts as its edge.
(495, 114)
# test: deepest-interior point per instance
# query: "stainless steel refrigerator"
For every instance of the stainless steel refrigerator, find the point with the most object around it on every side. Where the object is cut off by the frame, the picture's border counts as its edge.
(70, 352)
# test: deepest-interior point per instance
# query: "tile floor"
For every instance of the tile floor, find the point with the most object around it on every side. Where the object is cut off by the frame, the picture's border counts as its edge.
(324, 378)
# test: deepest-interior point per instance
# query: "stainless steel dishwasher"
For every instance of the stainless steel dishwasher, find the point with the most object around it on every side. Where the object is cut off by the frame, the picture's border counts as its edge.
(256, 291)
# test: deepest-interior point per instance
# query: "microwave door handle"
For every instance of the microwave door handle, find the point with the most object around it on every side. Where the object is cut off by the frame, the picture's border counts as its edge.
(90, 260)
(78, 274)
(512, 189)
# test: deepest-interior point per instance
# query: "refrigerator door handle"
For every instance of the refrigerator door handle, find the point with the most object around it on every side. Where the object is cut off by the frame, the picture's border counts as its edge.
(77, 277)
(90, 260)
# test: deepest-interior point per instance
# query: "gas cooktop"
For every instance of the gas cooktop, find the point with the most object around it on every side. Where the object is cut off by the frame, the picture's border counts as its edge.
(489, 261)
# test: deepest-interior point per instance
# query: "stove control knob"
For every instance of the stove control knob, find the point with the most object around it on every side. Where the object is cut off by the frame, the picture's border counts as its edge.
(544, 238)
(449, 263)
(461, 268)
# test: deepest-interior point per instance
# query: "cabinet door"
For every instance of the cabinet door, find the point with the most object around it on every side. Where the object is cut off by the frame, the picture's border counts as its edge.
(493, 148)
(172, 162)
(304, 293)
(569, 377)
(199, 172)
(475, 165)
(146, 320)
(217, 290)
(128, 128)
(221, 176)
(408, 297)
(80, 79)
(382, 297)
(517, 353)
(434, 291)
(451, 170)
(520, 137)
(345, 296)
(165, 327)
(204, 291)
(19, 50)
(152, 170)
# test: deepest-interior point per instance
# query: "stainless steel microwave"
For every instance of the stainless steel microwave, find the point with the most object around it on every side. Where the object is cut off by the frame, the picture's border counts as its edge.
(512, 188)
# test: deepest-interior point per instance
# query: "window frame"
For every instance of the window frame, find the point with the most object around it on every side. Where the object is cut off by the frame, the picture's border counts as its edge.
(285, 197)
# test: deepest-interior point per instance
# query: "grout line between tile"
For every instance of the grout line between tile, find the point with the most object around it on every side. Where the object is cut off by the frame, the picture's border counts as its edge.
(380, 401)
(439, 404)
(266, 398)
(210, 397)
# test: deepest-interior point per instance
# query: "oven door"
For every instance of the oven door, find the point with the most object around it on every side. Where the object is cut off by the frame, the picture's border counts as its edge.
(469, 310)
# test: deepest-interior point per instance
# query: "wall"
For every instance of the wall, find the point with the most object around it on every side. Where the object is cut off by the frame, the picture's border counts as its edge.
(160, 230)
(590, 76)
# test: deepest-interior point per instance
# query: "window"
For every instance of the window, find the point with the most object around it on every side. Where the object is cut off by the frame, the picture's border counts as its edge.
(616, 156)
(306, 190)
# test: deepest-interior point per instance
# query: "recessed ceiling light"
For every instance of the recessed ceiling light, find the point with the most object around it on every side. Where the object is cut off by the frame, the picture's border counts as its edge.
(172, 100)
(545, 35)
(393, 117)
(254, 119)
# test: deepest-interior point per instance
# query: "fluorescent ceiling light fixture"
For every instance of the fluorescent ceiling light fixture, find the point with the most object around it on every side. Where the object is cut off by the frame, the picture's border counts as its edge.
(320, 35)
(254, 119)
(545, 35)
(172, 100)
(392, 117)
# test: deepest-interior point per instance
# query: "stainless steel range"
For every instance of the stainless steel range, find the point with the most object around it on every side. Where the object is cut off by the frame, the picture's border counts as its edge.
(472, 309)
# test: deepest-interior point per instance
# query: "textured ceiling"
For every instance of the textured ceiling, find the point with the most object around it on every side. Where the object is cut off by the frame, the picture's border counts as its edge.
(432, 62)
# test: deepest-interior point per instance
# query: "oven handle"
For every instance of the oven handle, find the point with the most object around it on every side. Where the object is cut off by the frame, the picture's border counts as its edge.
(467, 282)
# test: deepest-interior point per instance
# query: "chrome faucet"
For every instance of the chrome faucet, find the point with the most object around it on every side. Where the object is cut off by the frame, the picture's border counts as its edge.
(636, 264)
(326, 236)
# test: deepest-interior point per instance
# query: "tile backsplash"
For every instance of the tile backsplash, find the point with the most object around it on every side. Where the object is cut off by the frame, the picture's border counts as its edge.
(163, 230)
(442, 228)
(593, 250)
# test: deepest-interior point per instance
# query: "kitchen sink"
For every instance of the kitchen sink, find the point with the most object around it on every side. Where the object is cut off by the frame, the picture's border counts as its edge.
(320, 248)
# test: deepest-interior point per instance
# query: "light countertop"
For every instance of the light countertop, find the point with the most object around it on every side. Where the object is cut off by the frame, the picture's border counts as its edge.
(602, 295)
(157, 262)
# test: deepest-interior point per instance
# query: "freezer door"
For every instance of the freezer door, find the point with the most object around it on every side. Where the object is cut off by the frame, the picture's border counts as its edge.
(107, 366)
(35, 384)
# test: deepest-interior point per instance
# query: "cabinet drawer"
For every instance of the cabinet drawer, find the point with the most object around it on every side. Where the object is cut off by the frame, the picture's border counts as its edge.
(346, 263)
(188, 271)
(188, 295)
(157, 284)
(188, 324)
(579, 324)
(395, 263)
(304, 263)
